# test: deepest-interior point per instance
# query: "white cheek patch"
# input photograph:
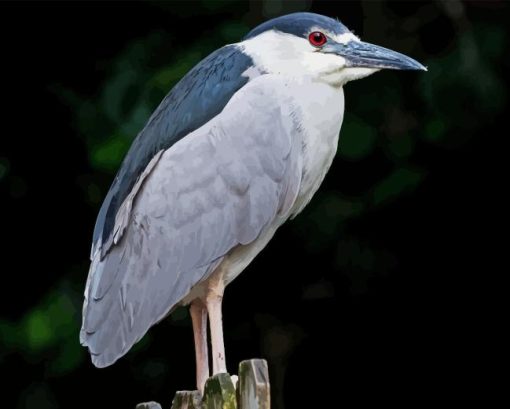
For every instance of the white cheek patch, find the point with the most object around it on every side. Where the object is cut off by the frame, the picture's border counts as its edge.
(319, 64)
(345, 38)
(276, 52)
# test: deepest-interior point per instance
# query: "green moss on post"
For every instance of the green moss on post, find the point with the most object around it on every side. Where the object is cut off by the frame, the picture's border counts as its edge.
(220, 393)
(253, 391)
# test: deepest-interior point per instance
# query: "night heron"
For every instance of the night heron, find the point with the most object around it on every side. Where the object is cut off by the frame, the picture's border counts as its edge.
(237, 147)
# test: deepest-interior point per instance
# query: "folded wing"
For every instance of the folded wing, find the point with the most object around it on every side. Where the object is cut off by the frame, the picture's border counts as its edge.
(218, 187)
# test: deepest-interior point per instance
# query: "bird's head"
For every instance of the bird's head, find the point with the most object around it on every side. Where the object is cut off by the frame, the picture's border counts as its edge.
(318, 47)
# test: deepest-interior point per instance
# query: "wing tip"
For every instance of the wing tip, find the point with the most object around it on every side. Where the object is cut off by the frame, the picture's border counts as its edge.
(100, 362)
(100, 359)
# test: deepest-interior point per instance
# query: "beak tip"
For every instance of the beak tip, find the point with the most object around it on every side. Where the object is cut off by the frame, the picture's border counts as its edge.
(421, 67)
(413, 65)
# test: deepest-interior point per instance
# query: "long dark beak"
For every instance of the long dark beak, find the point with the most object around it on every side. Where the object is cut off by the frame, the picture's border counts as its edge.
(360, 54)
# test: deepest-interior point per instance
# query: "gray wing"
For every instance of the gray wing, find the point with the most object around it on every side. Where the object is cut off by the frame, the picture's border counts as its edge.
(197, 98)
(218, 187)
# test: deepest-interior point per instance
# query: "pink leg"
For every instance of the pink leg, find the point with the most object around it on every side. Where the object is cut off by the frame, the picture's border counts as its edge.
(213, 302)
(199, 318)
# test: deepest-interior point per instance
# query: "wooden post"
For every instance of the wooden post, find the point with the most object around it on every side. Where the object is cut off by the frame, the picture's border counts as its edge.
(187, 400)
(148, 405)
(219, 392)
(253, 391)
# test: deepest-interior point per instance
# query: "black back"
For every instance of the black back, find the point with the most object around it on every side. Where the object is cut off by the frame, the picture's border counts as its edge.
(200, 95)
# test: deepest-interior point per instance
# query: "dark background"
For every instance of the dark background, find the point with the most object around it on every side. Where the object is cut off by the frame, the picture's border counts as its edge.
(376, 291)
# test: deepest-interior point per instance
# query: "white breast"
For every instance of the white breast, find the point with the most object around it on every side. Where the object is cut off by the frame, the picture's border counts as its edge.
(299, 73)
(322, 110)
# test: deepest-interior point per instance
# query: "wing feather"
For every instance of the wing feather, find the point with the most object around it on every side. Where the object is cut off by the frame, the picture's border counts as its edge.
(219, 187)
(197, 98)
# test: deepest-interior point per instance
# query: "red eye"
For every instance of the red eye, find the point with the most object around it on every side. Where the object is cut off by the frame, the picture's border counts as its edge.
(317, 39)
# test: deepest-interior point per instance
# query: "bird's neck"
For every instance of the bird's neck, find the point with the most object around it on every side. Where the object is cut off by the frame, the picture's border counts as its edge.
(321, 109)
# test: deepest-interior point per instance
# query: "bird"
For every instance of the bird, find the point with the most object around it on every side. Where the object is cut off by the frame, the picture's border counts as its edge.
(236, 148)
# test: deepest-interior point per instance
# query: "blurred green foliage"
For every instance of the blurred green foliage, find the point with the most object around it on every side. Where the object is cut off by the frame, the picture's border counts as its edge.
(46, 330)
(358, 138)
(398, 182)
